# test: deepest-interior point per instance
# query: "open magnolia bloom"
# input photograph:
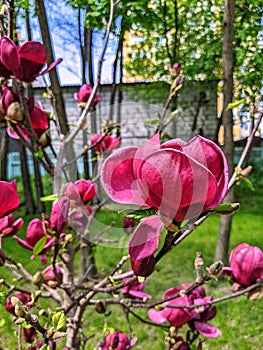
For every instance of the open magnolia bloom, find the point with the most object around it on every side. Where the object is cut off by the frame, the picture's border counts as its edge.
(196, 318)
(25, 62)
(179, 180)
(117, 340)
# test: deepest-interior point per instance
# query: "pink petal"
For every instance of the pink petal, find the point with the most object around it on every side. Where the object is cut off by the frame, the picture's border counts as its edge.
(157, 316)
(207, 330)
(23, 243)
(211, 156)
(133, 342)
(176, 184)
(118, 178)
(9, 199)
(145, 238)
(51, 66)
(9, 55)
(140, 295)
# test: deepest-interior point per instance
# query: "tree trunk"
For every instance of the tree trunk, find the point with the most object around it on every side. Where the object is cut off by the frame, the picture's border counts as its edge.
(3, 155)
(221, 252)
(55, 86)
(28, 195)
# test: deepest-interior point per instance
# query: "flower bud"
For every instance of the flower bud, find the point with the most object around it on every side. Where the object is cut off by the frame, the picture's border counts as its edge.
(14, 112)
(246, 263)
(143, 267)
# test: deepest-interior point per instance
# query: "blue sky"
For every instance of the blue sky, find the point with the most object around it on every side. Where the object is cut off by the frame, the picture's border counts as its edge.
(66, 46)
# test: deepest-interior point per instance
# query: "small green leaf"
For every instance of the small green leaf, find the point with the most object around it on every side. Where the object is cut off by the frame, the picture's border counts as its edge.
(154, 121)
(2, 322)
(249, 184)
(39, 154)
(50, 198)
(59, 320)
(236, 104)
(40, 245)
(226, 208)
(45, 347)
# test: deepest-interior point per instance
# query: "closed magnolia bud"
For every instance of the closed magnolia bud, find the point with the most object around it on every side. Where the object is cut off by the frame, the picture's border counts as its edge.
(14, 112)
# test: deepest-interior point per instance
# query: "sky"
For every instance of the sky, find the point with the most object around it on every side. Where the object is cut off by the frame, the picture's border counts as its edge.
(63, 27)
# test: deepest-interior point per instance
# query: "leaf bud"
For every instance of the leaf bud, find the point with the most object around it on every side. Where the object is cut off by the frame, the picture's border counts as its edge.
(100, 307)
(38, 278)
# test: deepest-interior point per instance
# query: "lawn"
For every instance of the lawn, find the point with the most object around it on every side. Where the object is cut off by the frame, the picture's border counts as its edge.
(239, 320)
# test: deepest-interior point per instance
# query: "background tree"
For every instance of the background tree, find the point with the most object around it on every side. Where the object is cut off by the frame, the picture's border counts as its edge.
(227, 118)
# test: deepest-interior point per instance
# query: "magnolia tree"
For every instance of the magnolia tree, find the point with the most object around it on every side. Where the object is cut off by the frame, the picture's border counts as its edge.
(169, 189)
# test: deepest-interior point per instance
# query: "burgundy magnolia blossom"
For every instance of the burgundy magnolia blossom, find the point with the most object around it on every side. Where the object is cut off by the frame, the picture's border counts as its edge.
(23, 297)
(81, 191)
(49, 275)
(9, 226)
(35, 231)
(179, 180)
(128, 225)
(25, 62)
(9, 199)
(246, 265)
(117, 341)
(196, 318)
(12, 109)
(135, 290)
(107, 144)
(29, 334)
(59, 214)
(84, 94)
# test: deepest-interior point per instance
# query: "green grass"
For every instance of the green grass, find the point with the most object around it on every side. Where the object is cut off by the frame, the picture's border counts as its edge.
(239, 320)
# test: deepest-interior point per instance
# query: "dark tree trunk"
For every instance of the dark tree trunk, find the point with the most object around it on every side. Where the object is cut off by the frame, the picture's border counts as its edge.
(40, 207)
(3, 155)
(55, 86)
(222, 247)
(28, 194)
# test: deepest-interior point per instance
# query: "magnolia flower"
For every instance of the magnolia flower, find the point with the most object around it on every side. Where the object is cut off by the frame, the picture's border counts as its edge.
(9, 226)
(50, 278)
(179, 180)
(9, 199)
(35, 231)
(81, 191)
(196, 318)
(23, 297)
(107, 144)
(135, 290)
(128, 225)
(84, 94)
(29, 334)
(12, 109)
(117, 341)
(25, 62)
(59, 214)
(246, 265)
